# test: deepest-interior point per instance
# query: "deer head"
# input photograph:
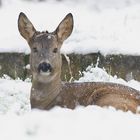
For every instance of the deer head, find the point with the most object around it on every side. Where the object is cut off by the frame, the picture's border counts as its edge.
(45, 58)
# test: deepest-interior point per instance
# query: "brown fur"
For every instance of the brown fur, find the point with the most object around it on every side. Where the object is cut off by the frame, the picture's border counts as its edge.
(47, 88)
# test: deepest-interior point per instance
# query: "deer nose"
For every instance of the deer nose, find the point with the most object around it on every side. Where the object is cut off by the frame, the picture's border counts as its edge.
(44, 67)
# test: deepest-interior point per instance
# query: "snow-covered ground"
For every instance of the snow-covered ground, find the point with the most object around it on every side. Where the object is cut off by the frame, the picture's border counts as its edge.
(108, 26)
(92, 122)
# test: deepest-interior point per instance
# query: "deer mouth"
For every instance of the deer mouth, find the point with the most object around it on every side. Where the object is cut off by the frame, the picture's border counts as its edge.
(45, 73)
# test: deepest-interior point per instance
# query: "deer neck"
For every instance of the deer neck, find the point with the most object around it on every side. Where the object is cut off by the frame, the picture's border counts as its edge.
(45, 92)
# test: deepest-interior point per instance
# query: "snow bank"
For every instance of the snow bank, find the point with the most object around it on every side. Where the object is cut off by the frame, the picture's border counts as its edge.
(111, 27)
(92, 122)
(89, 123)
(97, 74)
(14, 95)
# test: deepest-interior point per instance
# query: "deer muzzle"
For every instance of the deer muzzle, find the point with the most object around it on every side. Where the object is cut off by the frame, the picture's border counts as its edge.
(44, 67)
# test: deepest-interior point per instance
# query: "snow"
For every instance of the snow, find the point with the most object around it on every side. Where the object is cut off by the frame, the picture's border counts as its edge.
(89, 123)
(108, 26)
(97, 74)
(14, 95)
(18, 121)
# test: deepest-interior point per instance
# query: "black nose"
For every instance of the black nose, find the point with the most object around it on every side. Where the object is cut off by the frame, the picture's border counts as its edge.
(44, 67)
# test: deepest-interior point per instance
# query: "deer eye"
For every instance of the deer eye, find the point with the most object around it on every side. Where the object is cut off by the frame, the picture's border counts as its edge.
(55, 50)
(35, 50)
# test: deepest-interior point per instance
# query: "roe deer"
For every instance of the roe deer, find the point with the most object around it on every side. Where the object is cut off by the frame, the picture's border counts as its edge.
(47, 88)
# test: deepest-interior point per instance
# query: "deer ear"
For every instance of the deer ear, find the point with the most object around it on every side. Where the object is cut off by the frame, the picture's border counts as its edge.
(65, 28)
(25, 27)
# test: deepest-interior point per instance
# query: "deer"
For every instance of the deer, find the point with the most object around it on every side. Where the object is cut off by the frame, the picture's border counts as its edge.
(47, 88)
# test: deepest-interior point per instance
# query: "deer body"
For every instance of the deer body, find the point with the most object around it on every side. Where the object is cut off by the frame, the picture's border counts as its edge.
(47, 88)
(72, 94)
